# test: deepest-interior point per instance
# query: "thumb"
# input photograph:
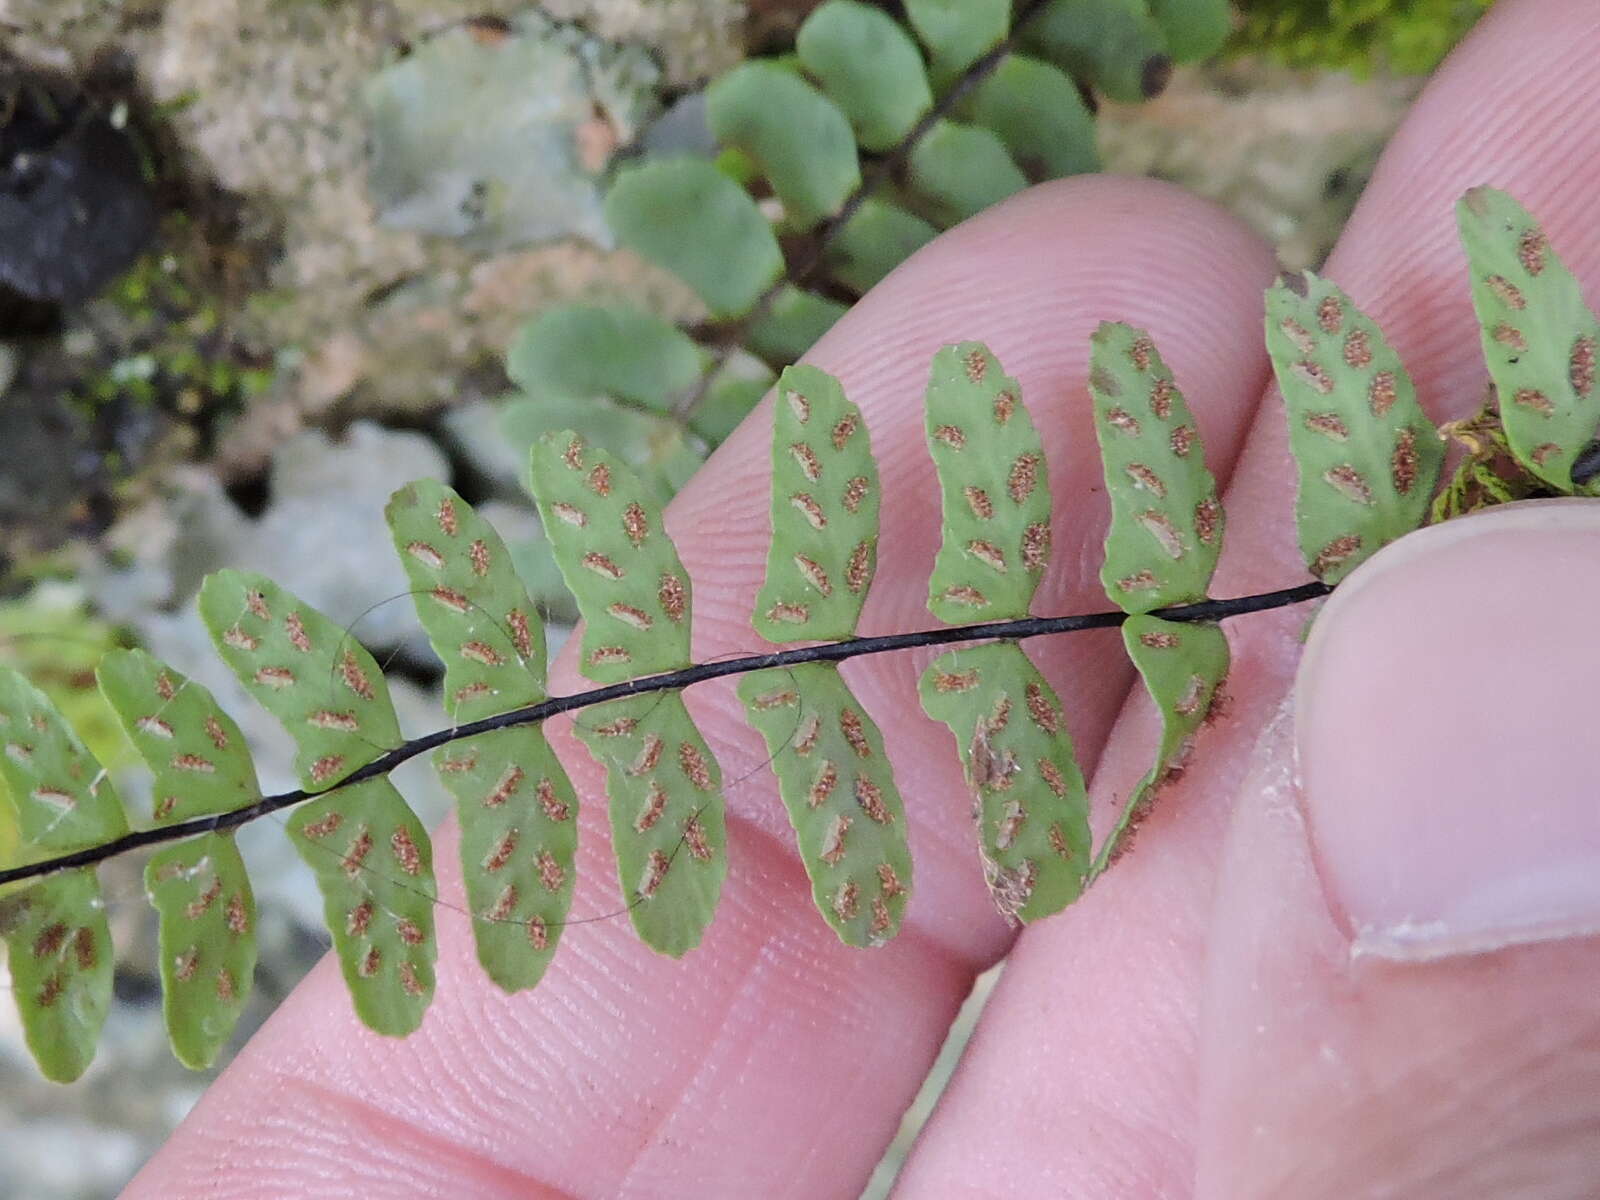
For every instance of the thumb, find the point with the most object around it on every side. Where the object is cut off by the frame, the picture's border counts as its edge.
(1401, 992)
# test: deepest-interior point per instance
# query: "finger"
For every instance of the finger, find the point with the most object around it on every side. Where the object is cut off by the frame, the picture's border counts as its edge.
(1400, 992)
(775, 1061)
(1096, 1086)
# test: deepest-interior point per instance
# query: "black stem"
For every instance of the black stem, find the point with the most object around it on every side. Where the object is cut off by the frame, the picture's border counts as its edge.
(1027, 627)
(878, 173)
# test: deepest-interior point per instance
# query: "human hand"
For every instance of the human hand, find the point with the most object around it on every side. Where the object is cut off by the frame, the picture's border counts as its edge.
(1197, 1025)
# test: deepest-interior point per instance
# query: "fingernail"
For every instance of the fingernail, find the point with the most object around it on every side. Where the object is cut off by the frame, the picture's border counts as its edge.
(1447, 728)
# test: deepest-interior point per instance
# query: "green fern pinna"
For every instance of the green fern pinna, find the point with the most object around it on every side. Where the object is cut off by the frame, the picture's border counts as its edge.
(1369, 465)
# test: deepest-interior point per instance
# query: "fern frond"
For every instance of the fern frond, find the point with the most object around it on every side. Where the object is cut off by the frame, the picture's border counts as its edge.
(836, 784)
(833, 775)
(515, 805)
(200, 890)
(825, 499)
(207, 915)
(59, 953)
(794, 134)
(1367, 456)
(608, 541)
(1539, 337)
(868, 65)
(1031, 811)
(667, 822)
(370, 854)
(1166, 519)
(685, 215)
(1183, 667)
(59, 943)
(994, 489)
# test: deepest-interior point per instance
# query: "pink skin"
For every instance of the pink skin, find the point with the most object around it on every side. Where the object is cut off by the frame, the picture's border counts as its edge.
(1128, 1051)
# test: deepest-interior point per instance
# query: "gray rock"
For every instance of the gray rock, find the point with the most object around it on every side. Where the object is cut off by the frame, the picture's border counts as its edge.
(496, 132)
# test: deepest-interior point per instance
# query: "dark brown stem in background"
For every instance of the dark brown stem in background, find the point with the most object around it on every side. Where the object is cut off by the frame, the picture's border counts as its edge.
(1028, 627)
(878, 173)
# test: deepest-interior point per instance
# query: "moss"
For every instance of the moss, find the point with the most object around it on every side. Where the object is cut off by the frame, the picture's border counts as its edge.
(1402, 36)
(173, 350)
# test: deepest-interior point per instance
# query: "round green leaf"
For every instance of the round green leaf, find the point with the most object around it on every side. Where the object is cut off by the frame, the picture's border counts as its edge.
(869, 66)
(793, 323)
(957, 33)
(1040, 116)
(797, 136)
(960, 170)
(1114, 45)
(685, 215)
(876, 239)
(582, 351)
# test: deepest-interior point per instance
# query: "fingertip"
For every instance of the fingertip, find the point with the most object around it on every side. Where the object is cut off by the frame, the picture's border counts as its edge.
(1400, 947)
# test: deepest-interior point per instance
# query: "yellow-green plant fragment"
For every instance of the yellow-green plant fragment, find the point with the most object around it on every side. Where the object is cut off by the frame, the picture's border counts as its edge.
(957, 33)
(1183, 664)
(470, 600)
(207, 942)
(796, 136)
(1166, 520)
(1539, 337)
(615, 555)
(1367, 455)
(959, 170)
(374, 866)
(60, 959)
(59, 797)
(876, 239)
(1039, 115)
(1115, 45)
(1488, 473)
(316, 679)
(792, 324)
(995, 490)
(685, 215)
(201, 762)
(519, 836)
(667, 823)
(838, 788)
(1031, 810)
(869, 66)
(824, 512)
